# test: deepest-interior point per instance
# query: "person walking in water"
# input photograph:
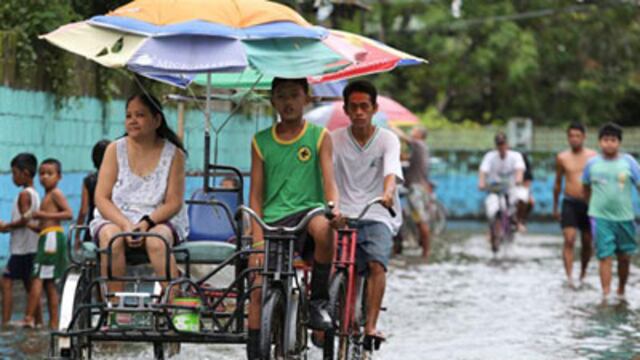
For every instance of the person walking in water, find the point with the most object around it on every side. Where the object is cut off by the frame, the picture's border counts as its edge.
(607, 180)
(573, 215)
(417, 181)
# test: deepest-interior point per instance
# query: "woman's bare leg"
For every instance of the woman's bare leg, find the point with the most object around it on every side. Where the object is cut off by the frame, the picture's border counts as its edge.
(118, 264)
(156, 250)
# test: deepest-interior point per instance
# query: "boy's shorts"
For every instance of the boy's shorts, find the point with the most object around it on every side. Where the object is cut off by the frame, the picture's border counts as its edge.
(374, 244)
(613, 237)
(51, 258)
(304, 245)
(574, 214)
(20, 267)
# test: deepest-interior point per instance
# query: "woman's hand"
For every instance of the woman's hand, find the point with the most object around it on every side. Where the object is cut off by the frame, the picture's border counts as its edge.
(132, 241)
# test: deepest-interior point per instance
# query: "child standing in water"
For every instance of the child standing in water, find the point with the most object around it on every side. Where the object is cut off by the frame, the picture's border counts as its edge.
(24, 241)
(51, 258)
(608, 179)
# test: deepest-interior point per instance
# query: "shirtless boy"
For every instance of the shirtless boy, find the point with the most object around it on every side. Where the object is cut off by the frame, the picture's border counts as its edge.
(50, 261)
(570, 165)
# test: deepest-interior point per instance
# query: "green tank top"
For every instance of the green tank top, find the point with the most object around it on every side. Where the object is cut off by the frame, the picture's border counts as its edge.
(292, 174)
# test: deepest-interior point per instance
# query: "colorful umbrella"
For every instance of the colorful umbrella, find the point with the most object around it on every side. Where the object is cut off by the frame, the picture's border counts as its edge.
(173, 40)
(373, 57)
(379, 58)
(390, 113)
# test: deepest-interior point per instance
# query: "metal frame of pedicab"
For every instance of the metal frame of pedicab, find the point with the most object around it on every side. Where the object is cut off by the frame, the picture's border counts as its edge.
(83, 316)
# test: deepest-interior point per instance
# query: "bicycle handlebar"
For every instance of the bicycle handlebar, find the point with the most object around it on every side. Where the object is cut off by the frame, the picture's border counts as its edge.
(378, 200)
(281, 229)
(497, 187)
(307, 218)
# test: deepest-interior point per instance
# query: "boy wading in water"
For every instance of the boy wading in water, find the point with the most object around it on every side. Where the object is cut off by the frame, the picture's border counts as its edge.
(24, 241)
(607, 181)
(573, 216)
(51, 258)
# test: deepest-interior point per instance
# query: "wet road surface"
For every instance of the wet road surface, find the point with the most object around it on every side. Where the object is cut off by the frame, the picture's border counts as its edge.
(467, 305)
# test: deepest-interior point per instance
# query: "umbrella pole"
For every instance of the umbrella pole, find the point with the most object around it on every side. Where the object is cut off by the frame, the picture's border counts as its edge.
(207, 134)
(181, 121)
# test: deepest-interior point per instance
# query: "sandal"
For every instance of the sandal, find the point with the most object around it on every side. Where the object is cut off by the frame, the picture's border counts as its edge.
(373, 342)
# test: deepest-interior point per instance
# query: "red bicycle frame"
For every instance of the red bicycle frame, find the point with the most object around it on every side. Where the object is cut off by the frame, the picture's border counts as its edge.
(345, 261)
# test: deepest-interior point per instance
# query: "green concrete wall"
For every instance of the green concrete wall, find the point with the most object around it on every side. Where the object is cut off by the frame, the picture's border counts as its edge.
(30, 121)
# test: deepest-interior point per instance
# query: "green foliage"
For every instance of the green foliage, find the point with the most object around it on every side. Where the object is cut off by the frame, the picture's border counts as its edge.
(26, 20)
(44, 67)
(552, 61)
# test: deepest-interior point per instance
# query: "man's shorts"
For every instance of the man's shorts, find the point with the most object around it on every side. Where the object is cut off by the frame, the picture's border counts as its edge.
(20, 267)
(51, 259)
(613, 237)
(516, 194)
(304, 245)
(574, 214)
(374, 244)
(418, 202)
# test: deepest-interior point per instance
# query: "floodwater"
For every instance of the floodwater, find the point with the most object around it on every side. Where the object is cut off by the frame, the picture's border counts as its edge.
(467, 305)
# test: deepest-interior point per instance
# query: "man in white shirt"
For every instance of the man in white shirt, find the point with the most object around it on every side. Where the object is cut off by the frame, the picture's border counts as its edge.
(367, 164)
(503, 167)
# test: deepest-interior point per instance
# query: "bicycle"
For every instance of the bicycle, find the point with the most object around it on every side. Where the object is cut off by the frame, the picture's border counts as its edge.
(502, 225)
(283, 333)
(347, 295)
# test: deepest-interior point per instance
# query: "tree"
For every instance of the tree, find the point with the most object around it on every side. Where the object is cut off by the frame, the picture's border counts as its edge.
(553, 61)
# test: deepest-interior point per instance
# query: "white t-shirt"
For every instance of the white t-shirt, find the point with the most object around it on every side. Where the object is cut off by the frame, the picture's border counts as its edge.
(360, 173)
(498, 169)
(24, 240)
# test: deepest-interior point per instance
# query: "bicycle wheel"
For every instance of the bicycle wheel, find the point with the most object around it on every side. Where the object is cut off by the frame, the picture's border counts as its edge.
(356, 341)
(336, 344)
(271, 326)
(438, 217)
(496, 233)
(295, 336)
(75, 293)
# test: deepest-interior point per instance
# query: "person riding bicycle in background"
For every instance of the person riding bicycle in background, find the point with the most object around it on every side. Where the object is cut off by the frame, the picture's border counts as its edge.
(291, 174)
(367, 164)
(505, 167)
(417, 181)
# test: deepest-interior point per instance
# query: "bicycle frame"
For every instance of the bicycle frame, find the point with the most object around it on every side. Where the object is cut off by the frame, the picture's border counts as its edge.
(345, 261)
(503, 219)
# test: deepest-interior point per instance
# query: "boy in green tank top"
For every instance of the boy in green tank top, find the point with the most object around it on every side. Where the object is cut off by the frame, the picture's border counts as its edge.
(292, 173)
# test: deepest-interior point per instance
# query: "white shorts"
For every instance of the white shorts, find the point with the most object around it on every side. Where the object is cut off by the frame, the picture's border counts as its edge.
(516, 194)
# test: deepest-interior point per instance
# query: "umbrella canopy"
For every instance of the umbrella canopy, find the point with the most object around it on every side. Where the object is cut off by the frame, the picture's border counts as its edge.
(172, 40)
(373, 57)
(379, 58)
(390, 113)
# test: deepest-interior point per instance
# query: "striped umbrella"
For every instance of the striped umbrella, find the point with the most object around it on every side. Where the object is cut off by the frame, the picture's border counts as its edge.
(172, 40)
(373, 57)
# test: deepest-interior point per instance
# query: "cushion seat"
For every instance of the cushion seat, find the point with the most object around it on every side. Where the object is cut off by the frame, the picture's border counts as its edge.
(200, 252)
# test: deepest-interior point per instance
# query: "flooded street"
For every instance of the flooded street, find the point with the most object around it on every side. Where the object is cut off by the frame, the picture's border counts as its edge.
(468, 305)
